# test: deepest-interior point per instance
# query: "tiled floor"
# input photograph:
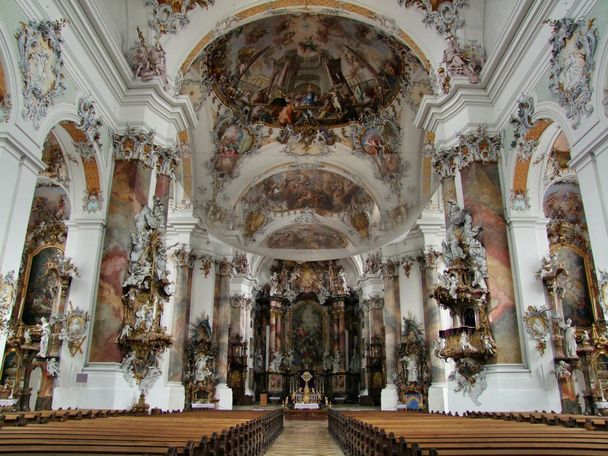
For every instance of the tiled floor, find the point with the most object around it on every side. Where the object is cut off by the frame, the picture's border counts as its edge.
(305, 438)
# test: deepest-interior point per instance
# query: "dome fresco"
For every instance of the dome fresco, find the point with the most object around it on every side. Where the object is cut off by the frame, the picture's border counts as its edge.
(308, 68)
(309, 123)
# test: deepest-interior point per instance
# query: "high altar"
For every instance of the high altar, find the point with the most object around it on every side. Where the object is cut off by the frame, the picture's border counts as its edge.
(307, 335)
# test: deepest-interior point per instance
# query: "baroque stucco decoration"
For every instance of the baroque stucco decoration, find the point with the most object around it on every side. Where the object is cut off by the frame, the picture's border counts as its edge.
(89, 122)
(443, 15)
(538, 325)
(41, 63)
(463, 290)
(573, 45)
(473, 146)
(74, 328)
(147, 62)
(146, 290)
(7, 299)
(168, 16)
(5, 108)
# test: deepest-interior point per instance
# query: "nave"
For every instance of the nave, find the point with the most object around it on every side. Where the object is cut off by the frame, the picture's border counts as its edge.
(276, 432)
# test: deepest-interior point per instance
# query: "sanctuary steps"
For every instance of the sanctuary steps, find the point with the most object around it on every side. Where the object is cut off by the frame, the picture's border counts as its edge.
(188, 433)
(412, 433)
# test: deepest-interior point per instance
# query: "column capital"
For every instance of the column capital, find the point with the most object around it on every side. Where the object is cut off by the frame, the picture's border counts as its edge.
(373, 302)
(138, 144)
(184, 256)
(472, 146)
(240, 301)
(223, 267)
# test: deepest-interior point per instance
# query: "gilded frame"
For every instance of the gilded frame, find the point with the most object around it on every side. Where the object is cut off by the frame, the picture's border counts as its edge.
(26, 280)
(589, 276)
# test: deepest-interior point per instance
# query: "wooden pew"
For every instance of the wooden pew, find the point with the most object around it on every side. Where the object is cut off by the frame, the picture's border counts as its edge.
(492, 434)
(190, 433)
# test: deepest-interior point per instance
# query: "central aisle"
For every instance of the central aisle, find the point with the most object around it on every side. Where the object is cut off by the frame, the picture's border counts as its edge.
(304, 438)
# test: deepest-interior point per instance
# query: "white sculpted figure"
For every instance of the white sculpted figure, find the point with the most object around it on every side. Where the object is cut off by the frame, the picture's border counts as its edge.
(277, 362)
(336, 366)
(465, 344)
(126, 330)
(140, 316)
(274, 284)
(45, 337)
(52, 367)
(342, 284)
(202, 371)
(487, 344)
(412, 368)
(27, 336)
(561, 371)
(569, 338)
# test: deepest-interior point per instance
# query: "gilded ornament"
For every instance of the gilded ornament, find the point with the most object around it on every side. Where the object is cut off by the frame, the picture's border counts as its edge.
(538, 325)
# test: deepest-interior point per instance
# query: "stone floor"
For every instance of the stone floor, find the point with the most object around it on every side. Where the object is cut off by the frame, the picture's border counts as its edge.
(305, 438)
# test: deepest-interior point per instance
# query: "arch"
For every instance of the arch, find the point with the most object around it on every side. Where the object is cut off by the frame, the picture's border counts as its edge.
(193, 44)
(11, 72)
(600, 83)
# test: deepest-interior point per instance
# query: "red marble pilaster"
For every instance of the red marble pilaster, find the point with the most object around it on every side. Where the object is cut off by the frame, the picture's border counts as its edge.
(483, 199)
(129, 194)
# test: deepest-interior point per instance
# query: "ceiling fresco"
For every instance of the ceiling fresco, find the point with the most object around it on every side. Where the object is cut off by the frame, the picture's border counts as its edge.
(306, 147)
(306, 237)
(306, 69)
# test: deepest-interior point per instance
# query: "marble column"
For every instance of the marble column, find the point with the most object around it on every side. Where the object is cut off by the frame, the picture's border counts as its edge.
(181, 312)
(221, 325)
(483, 199)
(129, 194)
(392, 330)
(475, 160)
(273, 328)
(339, 329)
(432, 316)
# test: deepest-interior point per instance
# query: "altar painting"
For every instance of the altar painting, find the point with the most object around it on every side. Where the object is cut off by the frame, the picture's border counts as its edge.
(307, 333)
(41, 288)
(576, 300)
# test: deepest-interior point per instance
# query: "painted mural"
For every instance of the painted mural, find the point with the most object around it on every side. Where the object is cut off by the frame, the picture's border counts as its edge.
(576, 300)
(306, 237)
(41, 287)
(307, 330)
(232, 142)
(563, 202)
(324, 192)
(305, 69)
(56, 167)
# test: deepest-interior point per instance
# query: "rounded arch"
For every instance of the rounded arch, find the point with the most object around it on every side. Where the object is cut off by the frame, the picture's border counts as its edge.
(536, 172)
(9, 63)
(426, 44)
(600, 81)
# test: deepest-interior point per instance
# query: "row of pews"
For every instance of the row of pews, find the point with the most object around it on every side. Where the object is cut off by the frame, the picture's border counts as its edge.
(416, 434)
(87, 432)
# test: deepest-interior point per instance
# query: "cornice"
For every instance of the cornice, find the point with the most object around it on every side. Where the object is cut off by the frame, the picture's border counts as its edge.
(92, 34)
(18, 143)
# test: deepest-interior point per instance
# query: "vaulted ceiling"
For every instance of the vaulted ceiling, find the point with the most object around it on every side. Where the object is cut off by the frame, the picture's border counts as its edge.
(306, 147)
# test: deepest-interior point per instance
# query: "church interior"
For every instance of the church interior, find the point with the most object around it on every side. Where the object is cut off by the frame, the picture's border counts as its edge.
(257, 226)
